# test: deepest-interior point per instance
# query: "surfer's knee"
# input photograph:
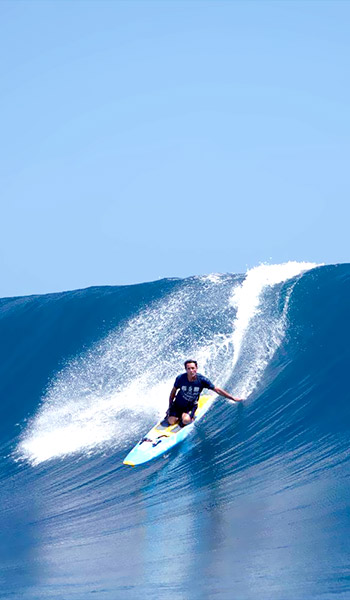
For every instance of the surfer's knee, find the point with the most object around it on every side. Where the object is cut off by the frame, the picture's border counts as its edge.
(186, 418)
(172, 420)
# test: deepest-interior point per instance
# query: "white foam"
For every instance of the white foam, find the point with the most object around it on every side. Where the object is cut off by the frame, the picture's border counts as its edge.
(246, 298)
(212, 277)
(258, 327)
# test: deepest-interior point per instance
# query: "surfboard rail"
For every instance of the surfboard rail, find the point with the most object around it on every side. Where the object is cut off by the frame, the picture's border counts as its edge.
(162, 437)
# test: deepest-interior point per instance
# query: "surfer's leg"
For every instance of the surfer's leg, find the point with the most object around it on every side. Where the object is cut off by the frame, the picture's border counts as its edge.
(186, 419)
(173, 414)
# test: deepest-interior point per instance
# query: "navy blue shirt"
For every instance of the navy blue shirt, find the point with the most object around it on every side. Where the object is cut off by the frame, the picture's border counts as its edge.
(189, 391)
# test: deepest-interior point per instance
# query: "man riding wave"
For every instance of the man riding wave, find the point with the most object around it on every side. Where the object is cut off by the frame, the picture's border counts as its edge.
(184, 396)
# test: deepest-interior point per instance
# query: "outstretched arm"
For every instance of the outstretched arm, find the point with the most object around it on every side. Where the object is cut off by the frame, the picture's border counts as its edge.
(227, 395)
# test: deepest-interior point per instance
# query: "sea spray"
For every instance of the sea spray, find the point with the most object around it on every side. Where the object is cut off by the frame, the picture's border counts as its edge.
(107, 396)
(264, 320)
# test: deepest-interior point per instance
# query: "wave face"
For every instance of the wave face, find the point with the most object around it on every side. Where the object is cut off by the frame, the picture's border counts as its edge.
(254, 503)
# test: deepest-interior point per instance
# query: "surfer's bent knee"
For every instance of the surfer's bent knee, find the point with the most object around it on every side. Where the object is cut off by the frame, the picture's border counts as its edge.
(186, 418)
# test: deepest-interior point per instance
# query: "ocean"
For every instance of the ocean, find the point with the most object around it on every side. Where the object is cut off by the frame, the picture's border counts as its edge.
(253, 504)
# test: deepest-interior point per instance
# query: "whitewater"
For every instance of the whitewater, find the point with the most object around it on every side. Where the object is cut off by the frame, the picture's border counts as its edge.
(253, 504)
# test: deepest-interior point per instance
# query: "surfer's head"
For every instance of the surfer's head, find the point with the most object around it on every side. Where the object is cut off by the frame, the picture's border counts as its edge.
(191, 369)
(190, 361)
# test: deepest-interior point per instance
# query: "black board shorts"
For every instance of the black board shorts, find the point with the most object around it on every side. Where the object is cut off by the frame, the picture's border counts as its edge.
(177, 408)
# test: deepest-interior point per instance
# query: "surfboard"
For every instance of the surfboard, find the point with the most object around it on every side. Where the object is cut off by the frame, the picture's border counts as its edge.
(162, 437)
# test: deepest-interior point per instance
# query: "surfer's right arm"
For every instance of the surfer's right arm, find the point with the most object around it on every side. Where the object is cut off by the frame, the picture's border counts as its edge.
(172, 396)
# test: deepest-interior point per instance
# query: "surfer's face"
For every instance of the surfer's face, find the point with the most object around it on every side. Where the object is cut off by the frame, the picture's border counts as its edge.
(191, 371)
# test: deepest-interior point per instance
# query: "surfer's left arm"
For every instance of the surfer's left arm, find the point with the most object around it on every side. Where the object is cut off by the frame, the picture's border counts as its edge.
(227, 395)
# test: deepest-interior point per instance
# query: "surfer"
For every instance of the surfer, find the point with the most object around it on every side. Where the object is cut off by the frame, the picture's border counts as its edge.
(183, 399)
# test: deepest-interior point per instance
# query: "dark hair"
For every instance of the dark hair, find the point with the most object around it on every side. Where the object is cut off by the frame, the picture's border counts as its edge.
(190, 361)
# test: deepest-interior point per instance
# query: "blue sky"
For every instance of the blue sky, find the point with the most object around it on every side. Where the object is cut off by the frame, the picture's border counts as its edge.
(142, 140)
